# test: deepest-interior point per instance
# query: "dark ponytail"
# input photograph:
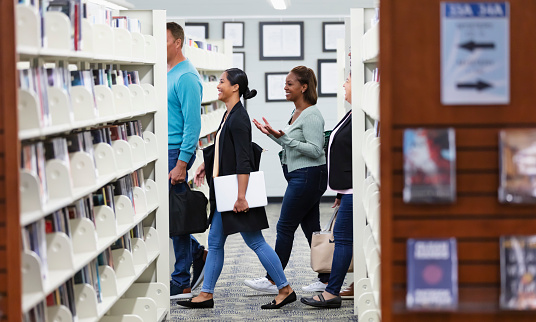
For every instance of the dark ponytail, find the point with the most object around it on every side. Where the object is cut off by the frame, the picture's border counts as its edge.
(238, 76)
(250, 94)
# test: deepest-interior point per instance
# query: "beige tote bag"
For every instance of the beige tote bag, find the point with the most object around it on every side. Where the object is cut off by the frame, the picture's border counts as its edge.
(322, 247)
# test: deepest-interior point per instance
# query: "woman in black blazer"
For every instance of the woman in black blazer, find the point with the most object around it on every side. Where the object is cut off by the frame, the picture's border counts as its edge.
(234, 153)
(339, 180)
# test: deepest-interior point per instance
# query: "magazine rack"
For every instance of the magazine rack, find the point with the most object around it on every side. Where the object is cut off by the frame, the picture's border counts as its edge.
(410, 98)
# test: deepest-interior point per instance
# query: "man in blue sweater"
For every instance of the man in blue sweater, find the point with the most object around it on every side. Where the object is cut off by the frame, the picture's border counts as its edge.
(185, 91)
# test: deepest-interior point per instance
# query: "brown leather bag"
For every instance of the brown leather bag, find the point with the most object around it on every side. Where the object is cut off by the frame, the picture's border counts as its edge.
(322, 247)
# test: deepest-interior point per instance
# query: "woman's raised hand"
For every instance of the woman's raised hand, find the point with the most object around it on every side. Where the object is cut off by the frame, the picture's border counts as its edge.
(268, 127)
(260, 127)
(199, 177)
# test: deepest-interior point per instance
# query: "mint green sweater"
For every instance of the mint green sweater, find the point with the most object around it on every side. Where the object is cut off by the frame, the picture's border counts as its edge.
(303, 142)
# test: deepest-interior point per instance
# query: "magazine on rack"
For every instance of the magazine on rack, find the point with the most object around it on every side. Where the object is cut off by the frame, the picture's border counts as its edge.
(517, 161)
(429, 165)
(518, 272)
(432, 273)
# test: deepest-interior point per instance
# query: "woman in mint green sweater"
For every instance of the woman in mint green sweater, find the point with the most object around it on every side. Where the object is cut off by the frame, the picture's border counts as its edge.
(304, 167)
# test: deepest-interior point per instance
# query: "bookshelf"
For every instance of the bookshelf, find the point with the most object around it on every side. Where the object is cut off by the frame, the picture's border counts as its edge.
(365, 107)
(410, 97)
(136, 288)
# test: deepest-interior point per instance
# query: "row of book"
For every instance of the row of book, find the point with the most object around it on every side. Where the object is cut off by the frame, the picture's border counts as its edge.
(432, 273)
(35, 154)
(430, 173)
(37, 80)
(76, 10)
(33, 235)
(89, 274)
(207, 108)
(201, 44)
(207, 140)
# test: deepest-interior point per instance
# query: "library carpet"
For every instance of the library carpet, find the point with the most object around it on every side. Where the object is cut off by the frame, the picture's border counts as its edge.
(234, 301)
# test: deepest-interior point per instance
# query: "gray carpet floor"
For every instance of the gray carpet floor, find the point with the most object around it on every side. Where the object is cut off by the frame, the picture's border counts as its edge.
(234, 301)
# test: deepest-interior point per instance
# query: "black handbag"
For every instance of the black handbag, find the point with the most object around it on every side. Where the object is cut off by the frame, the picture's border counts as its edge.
(187, 212)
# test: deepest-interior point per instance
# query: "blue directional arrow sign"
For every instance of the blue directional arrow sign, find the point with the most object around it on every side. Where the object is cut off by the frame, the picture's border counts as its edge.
(475, 53)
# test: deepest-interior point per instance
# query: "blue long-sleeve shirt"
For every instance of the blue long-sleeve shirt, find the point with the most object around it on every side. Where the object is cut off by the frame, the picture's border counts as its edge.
(185, 91)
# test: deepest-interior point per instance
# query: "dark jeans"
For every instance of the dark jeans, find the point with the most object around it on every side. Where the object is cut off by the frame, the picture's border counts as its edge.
(186, 246)
(300, 207)
(343, 233)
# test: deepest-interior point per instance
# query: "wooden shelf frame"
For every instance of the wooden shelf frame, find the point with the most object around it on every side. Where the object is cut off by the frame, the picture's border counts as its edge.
(410, 97)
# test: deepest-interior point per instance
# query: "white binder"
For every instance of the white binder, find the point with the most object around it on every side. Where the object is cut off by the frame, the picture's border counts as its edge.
(226, 190)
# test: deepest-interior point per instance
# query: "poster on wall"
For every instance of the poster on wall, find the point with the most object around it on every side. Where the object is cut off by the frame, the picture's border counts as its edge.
(235, 32)
(327, 78)
(331, 32)
(274, 86)
(281, 40)
(196, 30)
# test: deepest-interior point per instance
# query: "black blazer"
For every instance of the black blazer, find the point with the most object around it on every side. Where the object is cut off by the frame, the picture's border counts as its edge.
(340, 157)
(238, 155)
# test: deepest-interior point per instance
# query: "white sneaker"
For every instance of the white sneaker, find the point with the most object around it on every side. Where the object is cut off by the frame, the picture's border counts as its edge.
(315, 287)
(263, 285)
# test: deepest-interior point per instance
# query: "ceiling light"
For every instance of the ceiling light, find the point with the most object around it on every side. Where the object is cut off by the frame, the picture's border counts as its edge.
(280, 4)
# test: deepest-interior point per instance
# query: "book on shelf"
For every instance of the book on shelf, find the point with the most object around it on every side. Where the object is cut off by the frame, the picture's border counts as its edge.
(429, 165)
(106, 258)
(36, 314)
(64, 295)
(123, 242)
(59, 77)
(82, 208)
(34, 239)
(89, 274)
(518, 272)
(73, 10)
(58, 221)
(517, 155)
(432, 274)
(124, 186)
(98, 14)
(33, 160)
(137, 231)
(131, 24)
(104, 197)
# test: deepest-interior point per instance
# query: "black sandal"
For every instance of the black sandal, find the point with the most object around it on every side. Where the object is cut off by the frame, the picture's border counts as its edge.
(333, 303)
(289, 299)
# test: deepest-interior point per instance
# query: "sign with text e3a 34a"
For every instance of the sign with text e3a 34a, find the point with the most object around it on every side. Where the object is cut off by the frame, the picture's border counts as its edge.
(475, 53)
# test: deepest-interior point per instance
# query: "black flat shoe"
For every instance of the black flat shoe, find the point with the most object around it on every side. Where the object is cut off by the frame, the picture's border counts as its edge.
(289, 299)
(333, 303)
(208, 304)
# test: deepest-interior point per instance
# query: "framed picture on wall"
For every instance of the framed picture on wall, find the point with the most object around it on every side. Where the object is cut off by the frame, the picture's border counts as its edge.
(198, 30)
(331, 31)
(274, 86)
(234, 31)
(281, 40)
(239, 60)
(327, 78)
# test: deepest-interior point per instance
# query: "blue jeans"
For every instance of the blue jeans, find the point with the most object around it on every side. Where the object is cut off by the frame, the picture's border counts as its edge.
(343, 233)
(184, 246)
(254, 240)
(300, 207)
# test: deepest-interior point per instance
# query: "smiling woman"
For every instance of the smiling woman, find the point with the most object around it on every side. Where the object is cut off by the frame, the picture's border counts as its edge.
(304, 167)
